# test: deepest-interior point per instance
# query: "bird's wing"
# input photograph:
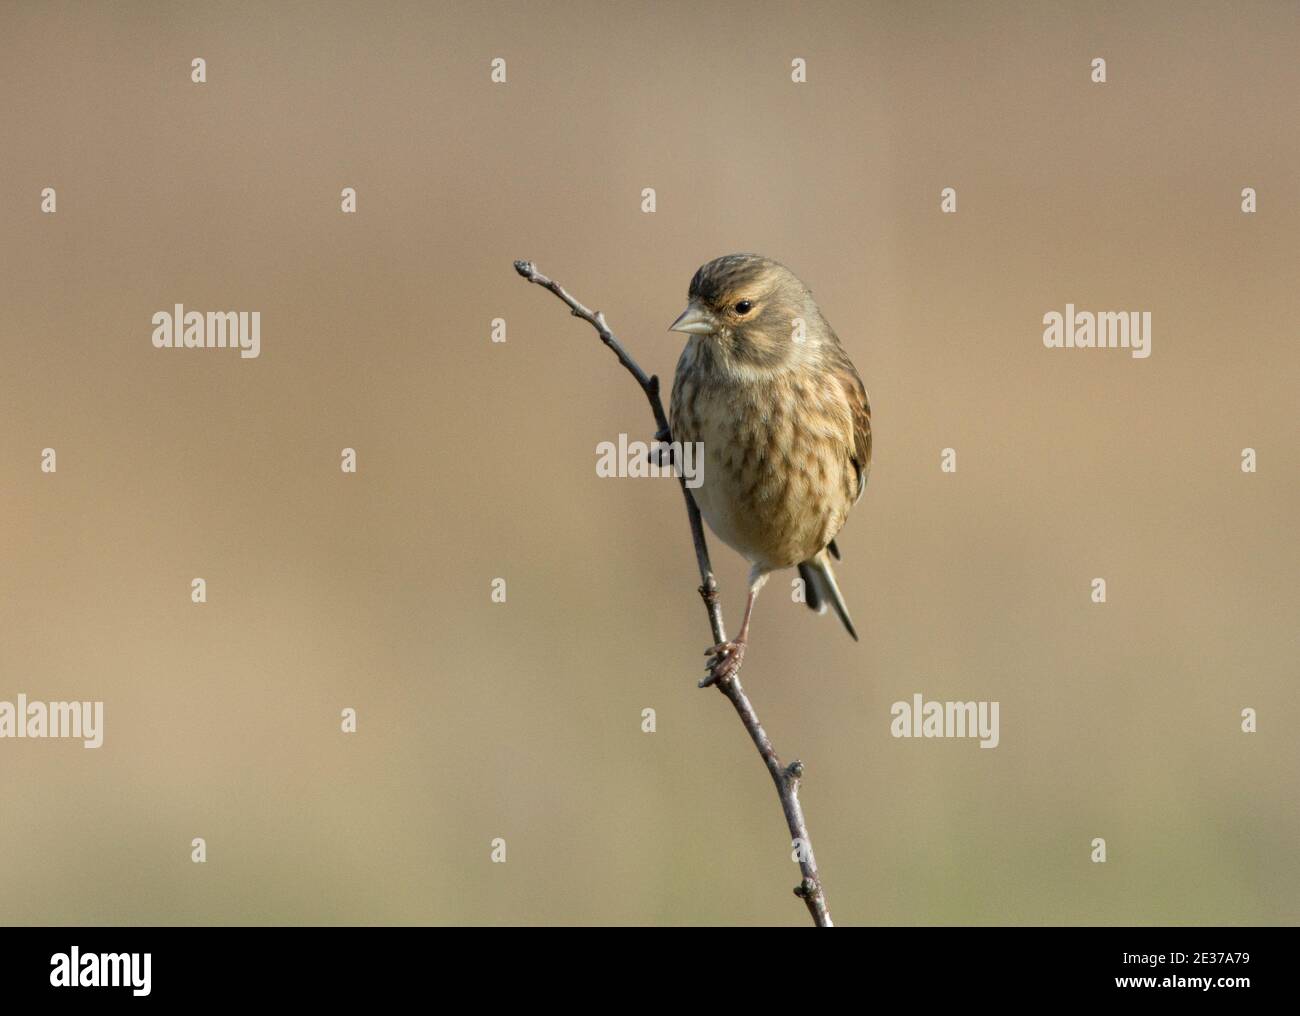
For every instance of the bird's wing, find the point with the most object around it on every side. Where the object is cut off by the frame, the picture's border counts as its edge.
(855, 396)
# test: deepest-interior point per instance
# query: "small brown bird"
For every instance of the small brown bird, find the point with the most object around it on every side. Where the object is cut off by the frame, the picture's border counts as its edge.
(785, 423)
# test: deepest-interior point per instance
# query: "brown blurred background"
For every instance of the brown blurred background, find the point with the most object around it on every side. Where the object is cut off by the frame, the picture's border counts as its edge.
(477, 460)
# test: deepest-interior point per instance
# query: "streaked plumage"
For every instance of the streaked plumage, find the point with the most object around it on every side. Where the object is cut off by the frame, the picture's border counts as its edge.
(784, 420)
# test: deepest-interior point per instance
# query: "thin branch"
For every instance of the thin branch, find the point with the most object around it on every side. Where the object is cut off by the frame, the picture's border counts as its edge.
(786, 778)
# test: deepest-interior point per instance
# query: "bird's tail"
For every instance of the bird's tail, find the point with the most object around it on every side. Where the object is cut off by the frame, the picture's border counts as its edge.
(820, 589)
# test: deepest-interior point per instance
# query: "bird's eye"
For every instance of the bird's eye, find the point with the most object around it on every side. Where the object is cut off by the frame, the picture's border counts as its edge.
(744, 307)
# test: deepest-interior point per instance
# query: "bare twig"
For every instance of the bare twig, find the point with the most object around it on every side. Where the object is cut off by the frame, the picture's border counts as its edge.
(786, 779)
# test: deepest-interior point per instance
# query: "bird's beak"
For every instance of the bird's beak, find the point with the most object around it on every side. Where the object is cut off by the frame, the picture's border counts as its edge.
(694, 320)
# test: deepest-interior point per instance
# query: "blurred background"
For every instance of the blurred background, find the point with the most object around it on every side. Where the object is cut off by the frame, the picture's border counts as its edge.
(476, 460)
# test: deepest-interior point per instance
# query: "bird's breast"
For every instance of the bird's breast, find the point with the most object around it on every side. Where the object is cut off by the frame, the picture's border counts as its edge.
(774, 486)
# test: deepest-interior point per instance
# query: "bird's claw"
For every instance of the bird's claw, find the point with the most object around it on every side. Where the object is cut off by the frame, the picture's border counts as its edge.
(725, 664)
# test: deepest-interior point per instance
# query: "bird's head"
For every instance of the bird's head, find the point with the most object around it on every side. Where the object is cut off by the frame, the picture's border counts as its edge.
(753, 310)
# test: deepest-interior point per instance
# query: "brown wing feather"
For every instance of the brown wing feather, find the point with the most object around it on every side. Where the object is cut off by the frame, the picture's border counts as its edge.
(855, 394)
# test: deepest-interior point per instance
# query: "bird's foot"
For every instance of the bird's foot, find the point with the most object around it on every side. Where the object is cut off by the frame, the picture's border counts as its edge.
(725, 663)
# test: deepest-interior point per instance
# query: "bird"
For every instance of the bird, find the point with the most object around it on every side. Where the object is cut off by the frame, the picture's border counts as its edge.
(766, 387)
